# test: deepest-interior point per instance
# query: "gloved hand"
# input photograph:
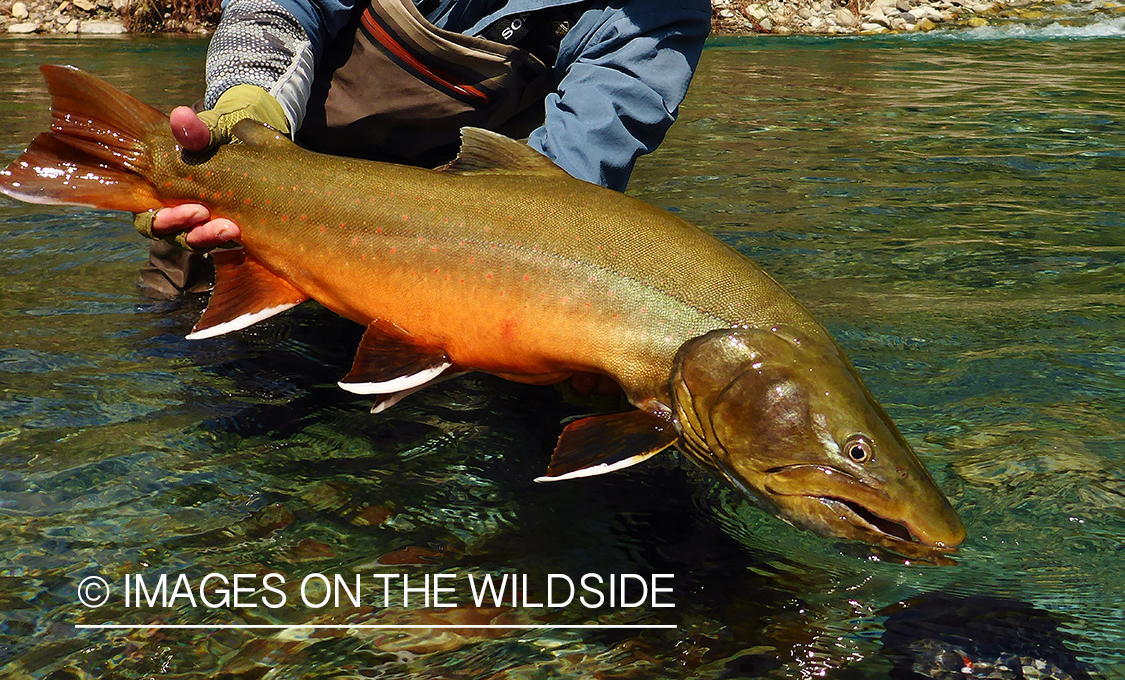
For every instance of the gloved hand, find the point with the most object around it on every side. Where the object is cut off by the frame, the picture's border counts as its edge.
(239, 102)
(190, 226)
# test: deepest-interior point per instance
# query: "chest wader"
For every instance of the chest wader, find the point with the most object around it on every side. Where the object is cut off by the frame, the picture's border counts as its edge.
(393, 87)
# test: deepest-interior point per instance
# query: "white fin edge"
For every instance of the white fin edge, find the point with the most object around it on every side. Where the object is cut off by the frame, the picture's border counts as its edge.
(399, 384)
(240, 322)
(394, 398)
(601, 468)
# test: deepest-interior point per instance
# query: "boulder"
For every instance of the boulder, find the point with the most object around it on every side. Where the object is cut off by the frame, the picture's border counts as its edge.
(26, 27)
(102, 28)
(844, 17)
(755, 12)
(85, 5)
(19, 11)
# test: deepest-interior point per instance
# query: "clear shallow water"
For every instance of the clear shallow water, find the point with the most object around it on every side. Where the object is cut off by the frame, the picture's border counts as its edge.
(950, 209)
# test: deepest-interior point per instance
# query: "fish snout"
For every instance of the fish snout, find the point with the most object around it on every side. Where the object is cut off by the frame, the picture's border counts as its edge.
(835, 502)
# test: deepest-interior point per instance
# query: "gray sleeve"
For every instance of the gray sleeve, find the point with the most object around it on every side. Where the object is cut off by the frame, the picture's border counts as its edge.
(259, 42)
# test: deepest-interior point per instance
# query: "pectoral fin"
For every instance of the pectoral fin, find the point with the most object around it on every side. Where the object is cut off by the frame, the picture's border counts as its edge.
(245, 293)
(601, 444)
(387, 361)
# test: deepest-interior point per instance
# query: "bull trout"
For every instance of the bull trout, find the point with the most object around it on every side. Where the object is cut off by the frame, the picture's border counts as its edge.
(501, 262)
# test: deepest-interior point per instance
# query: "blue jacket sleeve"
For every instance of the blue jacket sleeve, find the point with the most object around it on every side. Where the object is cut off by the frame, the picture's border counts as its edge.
(623, 70)
(321, 19)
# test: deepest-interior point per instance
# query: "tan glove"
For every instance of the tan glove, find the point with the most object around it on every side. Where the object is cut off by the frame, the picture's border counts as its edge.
(243, 101)
(237, 103)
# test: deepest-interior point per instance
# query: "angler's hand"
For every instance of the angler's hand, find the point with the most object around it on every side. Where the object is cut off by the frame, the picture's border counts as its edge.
(190, 225)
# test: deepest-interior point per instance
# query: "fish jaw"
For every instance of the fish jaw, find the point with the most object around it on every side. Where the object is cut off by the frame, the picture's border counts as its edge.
(784, 417)
(834, 502)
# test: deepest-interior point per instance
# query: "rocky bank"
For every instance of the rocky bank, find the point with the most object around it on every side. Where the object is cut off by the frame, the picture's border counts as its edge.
(730, 17)
(828, 17)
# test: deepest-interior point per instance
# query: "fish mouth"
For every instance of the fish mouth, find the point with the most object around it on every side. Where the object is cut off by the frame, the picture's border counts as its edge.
(834, 502)
(868, 521)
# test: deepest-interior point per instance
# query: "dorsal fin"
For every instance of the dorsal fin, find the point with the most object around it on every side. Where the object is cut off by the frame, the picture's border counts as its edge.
(254, 133)
(483, 151)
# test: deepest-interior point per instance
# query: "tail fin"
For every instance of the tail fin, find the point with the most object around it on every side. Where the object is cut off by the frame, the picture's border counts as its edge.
(95, 153)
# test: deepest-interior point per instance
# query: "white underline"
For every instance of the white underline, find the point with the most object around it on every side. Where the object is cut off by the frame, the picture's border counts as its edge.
(260, 626)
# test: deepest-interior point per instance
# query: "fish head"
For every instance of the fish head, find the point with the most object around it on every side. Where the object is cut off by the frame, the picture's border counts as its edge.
(785, 418)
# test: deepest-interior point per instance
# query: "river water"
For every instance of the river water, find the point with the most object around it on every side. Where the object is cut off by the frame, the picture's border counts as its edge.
(949, 205)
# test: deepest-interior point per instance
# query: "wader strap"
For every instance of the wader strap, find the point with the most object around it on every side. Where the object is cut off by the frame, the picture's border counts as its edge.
(394, 87)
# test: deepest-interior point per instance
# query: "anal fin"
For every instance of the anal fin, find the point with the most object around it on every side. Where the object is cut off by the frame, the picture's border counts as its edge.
(601, 444)
(245, 293)
(388, 361)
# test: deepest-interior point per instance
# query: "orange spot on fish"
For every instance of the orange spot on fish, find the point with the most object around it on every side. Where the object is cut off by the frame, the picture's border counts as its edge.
(435, 271)
(304, 217)
(268, 201)
(565, 300)
(190, 178)
(587, 304)
(433, 248)
(167, 184)
(355, 240)
(616, 315)
(527, 277)
(246, 201)
(379, 230)
(322, 228)
(405, 217)
(462, 243)
(489, 276)
(591, 278)
(508, 328)
(342, 225)
(394, 249)
(644, 310)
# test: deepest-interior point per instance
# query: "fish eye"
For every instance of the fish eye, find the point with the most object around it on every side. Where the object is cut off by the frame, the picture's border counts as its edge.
(859, 449)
